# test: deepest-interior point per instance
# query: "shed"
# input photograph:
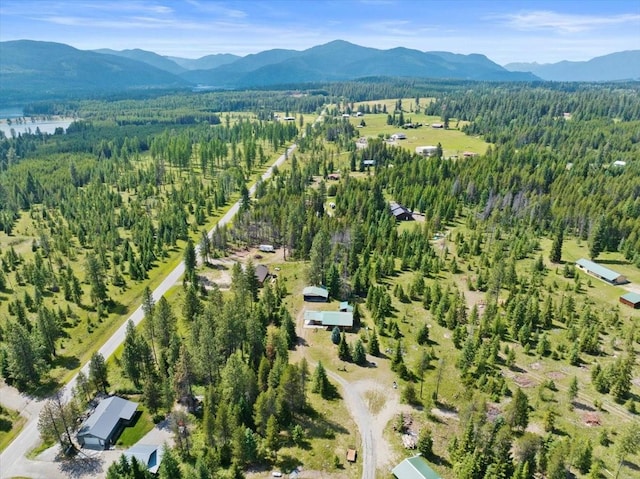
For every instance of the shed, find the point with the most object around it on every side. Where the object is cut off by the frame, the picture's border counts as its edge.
(346, 307)
(315, 294)
(600, 272)
(369, 162)
(414, 468)
(400, 212)
(437, 125)
(399, 136)
(631, 299)
(103, 426)
(329, 319)
(352, 454)
(267, 248)
(149, 455)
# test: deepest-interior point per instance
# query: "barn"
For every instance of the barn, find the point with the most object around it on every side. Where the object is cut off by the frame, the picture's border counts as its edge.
(605, 274)
(631, 299)
(414, 468)
(400, 212)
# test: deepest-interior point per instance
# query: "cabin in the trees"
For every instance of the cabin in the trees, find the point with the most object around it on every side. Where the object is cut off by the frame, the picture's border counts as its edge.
(267, 248)
(329, 319)
(600, 272)
(400, 212)
(262, 273)
(104, 425)
(428, 150)
(149, 455)
(315, 294)
(369, 162)
(437, 125)
(631, 299)
(414, 468)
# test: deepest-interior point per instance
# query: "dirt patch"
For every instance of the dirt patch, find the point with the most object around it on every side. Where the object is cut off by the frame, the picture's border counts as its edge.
(591, 419)
(535, 366)
(445, 413)
(556, 375)
(524, 381)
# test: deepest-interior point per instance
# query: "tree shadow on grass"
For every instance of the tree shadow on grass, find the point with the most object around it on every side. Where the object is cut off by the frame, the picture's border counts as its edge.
(288, 463)
(66, 362)
(118, 309)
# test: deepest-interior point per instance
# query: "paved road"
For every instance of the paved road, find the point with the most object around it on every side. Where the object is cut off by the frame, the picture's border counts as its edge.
(12, 460)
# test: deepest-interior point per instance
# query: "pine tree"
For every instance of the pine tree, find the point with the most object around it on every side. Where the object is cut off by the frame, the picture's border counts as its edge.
(556, 248)
(335, 335)
(374, 345)
(343, 349)
(320, 383)
(359, 354)
(98, 372)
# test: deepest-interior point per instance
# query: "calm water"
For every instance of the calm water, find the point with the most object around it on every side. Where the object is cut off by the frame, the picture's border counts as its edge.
(46, 126)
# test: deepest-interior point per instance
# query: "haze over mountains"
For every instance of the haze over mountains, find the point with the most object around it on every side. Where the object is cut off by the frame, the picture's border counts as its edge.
(613, 67)
(37, 70)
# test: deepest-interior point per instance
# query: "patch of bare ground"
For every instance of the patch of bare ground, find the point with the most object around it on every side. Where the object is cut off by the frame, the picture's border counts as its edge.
(536, 428)
(445, 413)
(555, 375)
(525, 381)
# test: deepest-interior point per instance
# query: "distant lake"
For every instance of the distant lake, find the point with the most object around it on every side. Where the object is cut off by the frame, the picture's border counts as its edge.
(46, 125)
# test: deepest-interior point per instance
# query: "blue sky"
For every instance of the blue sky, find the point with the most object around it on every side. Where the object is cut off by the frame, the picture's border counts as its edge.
(505, 31)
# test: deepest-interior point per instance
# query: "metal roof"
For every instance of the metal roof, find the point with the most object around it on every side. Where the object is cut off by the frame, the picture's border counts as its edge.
(106, 416)
(150, 455)
(414, 468)
(315, 291)
(631, 297)
(330, 318)
(345, 306)
(598, 270)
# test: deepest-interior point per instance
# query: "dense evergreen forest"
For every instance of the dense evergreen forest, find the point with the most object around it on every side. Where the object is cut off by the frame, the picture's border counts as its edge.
(136, 182)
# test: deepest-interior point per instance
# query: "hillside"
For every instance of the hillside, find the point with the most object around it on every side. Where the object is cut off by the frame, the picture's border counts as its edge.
(38, 70)
(205, 63)
(340, 60)
(150, 58)
(612, 67)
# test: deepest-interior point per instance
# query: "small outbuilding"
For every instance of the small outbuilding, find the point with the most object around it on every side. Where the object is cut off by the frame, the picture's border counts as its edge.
(399, 136)
(315, 294)
(352, 454)
(600, 272)
(149, 455)
(267, 248)
(102, 428)
(346, 307)
(631, 299)
(414, 468)
(369, 162)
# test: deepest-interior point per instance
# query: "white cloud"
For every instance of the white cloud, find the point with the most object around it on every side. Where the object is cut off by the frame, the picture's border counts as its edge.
(564, 23)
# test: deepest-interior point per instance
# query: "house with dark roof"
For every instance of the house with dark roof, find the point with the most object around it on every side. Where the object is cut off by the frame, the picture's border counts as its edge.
(102, 428)
(600, 272)
(315, 294)
(400, 212)
(149, 455)
(414, 468)
(631, 299)
(262, 273)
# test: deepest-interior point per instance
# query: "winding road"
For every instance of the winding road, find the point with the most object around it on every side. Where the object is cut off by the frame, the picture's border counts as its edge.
(13, 461)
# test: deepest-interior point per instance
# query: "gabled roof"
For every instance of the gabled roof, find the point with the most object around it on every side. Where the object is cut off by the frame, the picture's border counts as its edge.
(261, 272)
(150, 455)
(414, 468)
(106, 416)
(398, 210)
(598, 270)
(345, 306)
(315, 291)
(631, 297)
(330, 318)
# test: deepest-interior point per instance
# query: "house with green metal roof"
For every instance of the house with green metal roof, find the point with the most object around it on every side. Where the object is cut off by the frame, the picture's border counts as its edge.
(328, 319)
(600, 272)
(315, 293)
(631, 299)
(415, 467)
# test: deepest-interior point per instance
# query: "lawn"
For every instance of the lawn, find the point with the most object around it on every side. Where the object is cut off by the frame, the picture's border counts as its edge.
(142, 424)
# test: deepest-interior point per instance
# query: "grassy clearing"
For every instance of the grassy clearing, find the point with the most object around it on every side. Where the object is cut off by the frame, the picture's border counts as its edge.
(11, 423)
(142, 424)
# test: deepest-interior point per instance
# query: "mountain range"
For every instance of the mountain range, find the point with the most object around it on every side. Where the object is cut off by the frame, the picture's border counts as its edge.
(31, 70)
(613, 67)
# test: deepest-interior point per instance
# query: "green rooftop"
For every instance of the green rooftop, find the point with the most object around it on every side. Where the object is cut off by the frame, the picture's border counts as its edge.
(414, 468)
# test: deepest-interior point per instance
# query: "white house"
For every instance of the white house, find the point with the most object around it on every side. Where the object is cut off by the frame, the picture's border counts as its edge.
(427, 150)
